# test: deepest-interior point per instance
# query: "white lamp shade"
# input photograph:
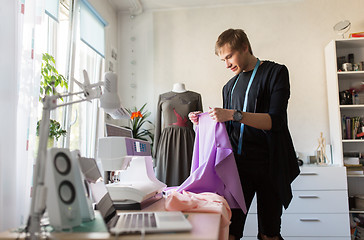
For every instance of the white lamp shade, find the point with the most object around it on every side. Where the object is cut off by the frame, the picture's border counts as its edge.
(110, 100)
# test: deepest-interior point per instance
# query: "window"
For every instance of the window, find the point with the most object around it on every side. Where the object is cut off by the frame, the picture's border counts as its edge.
(73, 54)
(56, 32)
(88, 52)
(84, 115)
(92, 28)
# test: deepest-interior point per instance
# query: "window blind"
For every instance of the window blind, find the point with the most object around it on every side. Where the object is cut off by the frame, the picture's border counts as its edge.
(51, 8)
(92, 28)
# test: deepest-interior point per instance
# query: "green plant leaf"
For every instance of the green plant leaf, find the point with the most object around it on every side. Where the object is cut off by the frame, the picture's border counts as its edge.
(137, 124)
(50, 80)
(55, 129)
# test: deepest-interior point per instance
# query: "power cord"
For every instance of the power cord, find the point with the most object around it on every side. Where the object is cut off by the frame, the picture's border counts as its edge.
(142, 234)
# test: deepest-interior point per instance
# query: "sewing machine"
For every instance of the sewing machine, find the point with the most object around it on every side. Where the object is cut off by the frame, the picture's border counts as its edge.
(136, 186)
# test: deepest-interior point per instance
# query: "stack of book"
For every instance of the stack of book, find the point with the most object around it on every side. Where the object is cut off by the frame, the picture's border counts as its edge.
(354, 169)
(351, 127)
(351, 160)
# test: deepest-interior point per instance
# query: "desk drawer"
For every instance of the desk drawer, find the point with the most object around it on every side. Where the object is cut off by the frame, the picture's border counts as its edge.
(309, 225)
(314, 202)
(321, 178)
(325, 225)
(319, 202)
(251, 226)
(304, 238)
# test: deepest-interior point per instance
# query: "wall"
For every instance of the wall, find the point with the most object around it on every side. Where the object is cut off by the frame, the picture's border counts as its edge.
(136, 75)
(290, 32)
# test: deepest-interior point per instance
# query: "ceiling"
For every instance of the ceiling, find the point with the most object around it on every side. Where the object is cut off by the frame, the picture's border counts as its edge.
(127, 5)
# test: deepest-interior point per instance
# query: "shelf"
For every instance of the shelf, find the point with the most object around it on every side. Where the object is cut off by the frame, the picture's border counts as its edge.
(353, 140)
(350, 73)
(355, 175)
(352, 106)
(356, 211)
(350, 43)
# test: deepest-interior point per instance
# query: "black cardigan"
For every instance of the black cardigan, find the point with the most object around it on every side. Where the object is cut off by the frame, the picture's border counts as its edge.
(273, 92)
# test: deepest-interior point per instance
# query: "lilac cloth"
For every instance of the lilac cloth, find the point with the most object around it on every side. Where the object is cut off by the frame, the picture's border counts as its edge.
(213, 164)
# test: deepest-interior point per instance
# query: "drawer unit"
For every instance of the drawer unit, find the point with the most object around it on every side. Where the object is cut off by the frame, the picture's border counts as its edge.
(251, 225)
(318, 210)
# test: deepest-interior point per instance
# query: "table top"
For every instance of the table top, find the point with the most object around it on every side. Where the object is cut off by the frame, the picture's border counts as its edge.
(205, 226)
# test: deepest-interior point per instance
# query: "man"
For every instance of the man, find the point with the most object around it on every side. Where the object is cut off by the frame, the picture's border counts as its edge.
(255, 113)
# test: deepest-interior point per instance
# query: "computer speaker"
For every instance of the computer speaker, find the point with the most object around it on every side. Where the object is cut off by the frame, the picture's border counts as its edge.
(87, 211)
(67, 201)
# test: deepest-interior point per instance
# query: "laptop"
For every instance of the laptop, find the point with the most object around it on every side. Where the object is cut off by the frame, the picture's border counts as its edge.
(133, 221)
(113, 130)
(141, 222)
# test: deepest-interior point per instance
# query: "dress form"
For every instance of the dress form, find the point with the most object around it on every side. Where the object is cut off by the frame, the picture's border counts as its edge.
(179, 88)
(174, 134)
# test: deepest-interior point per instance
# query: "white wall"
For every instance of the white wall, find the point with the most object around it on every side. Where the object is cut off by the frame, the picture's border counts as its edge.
(290, 32)
(136, 44)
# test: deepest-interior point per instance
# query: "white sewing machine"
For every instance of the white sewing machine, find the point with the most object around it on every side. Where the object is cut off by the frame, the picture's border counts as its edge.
(138, 187)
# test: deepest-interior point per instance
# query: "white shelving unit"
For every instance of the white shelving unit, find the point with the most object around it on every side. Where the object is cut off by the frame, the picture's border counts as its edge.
(338, 81)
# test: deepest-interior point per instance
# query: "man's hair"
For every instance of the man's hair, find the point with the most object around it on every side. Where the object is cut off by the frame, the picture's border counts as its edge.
(235, 38)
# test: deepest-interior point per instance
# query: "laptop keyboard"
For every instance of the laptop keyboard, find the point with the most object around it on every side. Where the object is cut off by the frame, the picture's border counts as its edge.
(129, 222)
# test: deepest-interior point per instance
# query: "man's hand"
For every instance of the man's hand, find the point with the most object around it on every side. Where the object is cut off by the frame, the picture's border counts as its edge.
(221, 114)
(257, 120)
(193, 116)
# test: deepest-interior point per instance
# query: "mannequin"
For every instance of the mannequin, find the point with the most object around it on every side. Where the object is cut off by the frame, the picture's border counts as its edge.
(179, 88)
(174, 134)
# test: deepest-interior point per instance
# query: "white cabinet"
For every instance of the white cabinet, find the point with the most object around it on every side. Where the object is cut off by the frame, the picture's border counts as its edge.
(337, 82)
(319, 208)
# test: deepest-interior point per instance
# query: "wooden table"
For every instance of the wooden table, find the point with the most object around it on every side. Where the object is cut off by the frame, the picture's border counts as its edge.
(205, 226)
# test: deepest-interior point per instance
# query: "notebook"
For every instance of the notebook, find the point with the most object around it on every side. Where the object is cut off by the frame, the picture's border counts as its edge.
(138, 221)
(134, 221)
(113, 130)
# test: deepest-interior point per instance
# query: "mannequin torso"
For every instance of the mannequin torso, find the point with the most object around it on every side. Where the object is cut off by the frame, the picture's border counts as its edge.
(179, 88)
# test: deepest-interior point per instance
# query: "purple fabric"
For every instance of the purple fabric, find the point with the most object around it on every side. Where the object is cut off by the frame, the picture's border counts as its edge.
(213, 164)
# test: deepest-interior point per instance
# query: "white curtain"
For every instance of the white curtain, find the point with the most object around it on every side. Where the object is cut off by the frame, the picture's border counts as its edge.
(20, 25)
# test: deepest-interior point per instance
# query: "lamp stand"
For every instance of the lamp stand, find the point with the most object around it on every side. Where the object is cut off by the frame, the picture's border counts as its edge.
(109, 101)
(39, 191)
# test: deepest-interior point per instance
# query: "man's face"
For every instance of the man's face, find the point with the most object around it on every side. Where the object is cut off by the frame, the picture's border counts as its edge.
(236, 61)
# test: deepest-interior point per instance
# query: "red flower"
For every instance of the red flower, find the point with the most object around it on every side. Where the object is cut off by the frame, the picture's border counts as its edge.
(136, 114)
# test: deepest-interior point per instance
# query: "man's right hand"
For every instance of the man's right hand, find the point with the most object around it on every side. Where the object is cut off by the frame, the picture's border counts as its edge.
(193, 116)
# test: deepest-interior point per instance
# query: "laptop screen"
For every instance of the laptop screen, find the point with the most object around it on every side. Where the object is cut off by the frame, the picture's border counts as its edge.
(106, 208)
(116, 131)
(98, 191)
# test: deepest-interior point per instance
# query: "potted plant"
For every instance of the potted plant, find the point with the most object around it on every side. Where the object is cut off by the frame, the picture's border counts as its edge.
(137, 120)
(50, 80)
(55, 131)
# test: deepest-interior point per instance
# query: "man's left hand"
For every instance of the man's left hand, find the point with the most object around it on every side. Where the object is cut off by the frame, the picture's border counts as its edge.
(221, 114)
